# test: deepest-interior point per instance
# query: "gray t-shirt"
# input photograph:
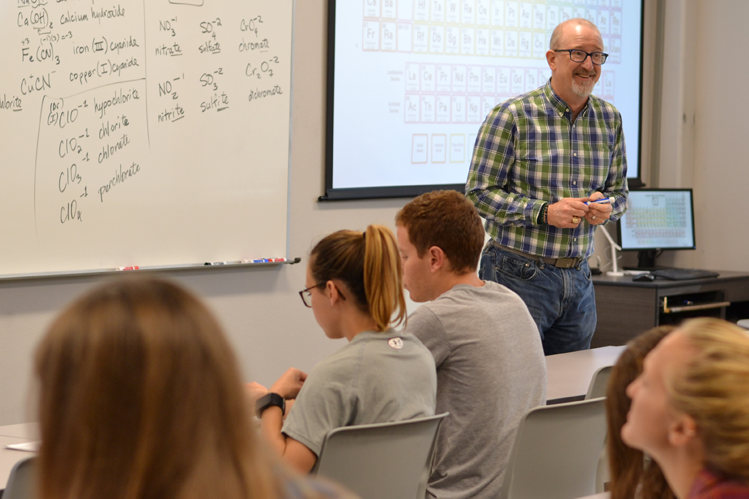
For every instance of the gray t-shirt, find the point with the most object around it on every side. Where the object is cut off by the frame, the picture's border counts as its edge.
(490, 370)
(375, 378)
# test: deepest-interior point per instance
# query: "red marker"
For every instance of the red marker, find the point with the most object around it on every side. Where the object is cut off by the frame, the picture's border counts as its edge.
(279, 259)
(133, 267)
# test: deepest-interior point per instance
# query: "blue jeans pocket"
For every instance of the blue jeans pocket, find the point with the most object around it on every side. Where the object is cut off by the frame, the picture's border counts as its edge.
(515, 268)
(585, 271)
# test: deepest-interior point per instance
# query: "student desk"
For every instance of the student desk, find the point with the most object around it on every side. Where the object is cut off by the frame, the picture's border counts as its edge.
(569, 374)
(14, 434)
(627, 308)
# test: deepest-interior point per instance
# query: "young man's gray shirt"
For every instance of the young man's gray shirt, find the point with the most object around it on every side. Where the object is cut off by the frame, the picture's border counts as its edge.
(490, 370)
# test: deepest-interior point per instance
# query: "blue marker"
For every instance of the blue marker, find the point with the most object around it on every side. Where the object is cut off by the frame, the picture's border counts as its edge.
(601, 201)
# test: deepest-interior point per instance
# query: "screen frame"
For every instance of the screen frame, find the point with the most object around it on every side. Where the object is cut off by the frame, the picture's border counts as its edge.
(409, 191)
(657, 248)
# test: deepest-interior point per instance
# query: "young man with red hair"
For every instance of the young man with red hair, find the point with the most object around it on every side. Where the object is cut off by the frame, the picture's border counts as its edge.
(490, 363)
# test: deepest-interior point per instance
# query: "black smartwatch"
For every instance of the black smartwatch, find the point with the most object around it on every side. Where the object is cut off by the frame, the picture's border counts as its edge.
(270, 399)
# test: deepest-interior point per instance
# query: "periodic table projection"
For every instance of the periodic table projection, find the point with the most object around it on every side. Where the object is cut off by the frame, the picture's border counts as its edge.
(411, 81)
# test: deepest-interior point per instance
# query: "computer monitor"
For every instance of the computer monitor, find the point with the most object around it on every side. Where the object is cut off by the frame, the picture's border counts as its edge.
(657, 219)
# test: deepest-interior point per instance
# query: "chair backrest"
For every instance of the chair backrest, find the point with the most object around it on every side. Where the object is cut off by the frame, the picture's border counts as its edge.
(598, 383)
(384, 460)
(597, 388)
(556, 451)
(21, 482)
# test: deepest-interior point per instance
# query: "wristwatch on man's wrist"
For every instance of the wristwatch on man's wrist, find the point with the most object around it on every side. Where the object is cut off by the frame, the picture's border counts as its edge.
(270, 399)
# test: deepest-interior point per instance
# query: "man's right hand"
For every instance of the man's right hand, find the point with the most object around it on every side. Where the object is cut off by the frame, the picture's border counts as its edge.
(567, 212)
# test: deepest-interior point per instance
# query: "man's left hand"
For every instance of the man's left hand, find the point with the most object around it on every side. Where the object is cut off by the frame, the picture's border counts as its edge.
(598, 212)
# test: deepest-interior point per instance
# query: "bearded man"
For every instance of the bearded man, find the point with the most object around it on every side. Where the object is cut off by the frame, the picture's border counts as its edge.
(540, 163)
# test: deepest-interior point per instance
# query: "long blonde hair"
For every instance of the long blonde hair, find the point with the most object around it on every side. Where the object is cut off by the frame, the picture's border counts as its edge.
(713, 389)
(141, 398)
(369, 265)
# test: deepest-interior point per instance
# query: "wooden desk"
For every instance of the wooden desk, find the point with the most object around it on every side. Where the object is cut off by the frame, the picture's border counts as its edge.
(569, 374)
(627, 308)
(14, 434)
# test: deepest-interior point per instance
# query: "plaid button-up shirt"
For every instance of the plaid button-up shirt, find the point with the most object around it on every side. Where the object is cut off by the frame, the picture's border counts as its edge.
(529, 152)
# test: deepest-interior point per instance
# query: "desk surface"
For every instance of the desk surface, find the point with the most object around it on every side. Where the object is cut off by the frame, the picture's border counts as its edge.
(626, 280)
(569, 374)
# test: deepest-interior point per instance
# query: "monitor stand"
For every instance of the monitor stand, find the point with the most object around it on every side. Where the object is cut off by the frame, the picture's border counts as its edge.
(646, 261)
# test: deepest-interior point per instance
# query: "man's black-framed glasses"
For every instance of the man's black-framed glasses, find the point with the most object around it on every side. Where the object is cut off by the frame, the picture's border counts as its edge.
(577, 55)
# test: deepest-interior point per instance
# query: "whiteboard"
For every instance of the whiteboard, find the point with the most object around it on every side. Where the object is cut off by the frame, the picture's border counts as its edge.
(149, 133)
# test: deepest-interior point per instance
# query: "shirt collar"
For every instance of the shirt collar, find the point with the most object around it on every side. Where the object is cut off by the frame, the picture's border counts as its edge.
(561, 107)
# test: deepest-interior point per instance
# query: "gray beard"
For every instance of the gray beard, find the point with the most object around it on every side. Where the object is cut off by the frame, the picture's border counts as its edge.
(582, 90)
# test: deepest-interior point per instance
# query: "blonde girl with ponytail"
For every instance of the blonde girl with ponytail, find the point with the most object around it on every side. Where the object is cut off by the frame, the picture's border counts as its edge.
(354, 287)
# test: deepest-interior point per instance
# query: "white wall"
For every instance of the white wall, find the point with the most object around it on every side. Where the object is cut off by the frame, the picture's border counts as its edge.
(721, 172)
(703, 126)
(703, 129)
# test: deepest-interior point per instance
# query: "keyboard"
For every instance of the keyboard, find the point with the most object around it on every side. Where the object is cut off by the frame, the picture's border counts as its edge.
(683, 274)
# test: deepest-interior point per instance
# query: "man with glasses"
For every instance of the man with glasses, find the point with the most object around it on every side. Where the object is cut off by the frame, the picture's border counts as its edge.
(540, 161)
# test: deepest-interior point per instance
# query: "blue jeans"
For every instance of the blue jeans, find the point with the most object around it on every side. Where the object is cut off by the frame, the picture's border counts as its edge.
(561, 301)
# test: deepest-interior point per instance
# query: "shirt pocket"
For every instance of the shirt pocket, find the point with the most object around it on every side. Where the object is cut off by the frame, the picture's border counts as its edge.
(540, 174)
(594, 164)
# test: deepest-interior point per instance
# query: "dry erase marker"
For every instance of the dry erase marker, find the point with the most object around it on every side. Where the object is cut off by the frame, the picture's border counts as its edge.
(602, 201)
(279, 259)
(133, 267)
(216, 263)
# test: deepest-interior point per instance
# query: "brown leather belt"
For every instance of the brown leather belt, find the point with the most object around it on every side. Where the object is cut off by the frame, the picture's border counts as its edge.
(560, 263)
